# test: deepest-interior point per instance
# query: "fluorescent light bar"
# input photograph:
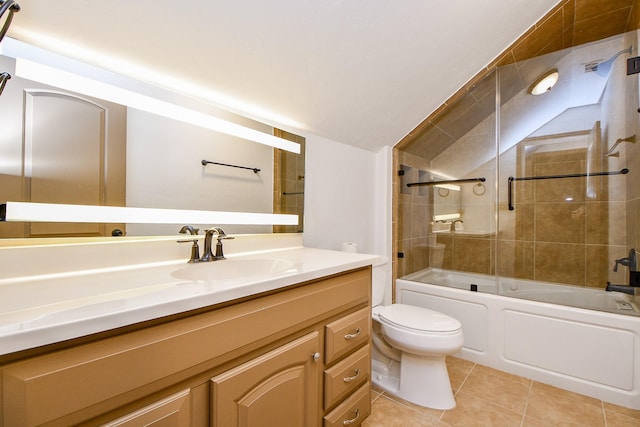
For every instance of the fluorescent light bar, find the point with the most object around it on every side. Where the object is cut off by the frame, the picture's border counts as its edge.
(69, 81)
(54, 212)
(445, 217)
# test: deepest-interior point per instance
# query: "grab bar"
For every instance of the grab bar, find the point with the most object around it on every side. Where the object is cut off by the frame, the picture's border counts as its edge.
(207, 162)
(11, 6)
(572, 175)
(451, 181)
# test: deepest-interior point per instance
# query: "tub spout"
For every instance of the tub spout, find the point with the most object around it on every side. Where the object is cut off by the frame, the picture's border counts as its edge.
(620, 288)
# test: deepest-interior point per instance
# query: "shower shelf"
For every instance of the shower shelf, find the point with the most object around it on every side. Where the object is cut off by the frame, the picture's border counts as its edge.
(451, 181)
(207, 162)
(572, 175)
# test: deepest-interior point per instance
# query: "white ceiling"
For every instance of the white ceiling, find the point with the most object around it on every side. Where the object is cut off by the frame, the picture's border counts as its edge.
(360, 72)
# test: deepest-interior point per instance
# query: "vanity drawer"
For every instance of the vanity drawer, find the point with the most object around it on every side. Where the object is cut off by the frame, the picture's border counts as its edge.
(352, 411)
(346, 334)
(346, 375)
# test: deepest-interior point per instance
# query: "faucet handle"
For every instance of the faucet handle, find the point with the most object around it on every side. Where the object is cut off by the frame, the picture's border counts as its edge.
(220, 233)
(195, 249)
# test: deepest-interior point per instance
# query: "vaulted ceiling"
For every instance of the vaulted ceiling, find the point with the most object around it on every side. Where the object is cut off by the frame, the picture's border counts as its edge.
(360, 72)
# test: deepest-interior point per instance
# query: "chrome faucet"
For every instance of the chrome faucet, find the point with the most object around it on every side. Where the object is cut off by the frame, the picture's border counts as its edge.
(208, 238)
(631, 261)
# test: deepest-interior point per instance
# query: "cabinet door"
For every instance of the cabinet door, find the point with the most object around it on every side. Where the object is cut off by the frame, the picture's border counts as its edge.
(174, 411)
(279, 388)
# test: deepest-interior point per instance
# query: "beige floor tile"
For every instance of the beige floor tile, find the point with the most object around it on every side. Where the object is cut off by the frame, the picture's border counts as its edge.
(388, 413)
(501, 374)
(473, 411)
(633, 413)
(487, 397)
(616, 419)
(433, 414)
(532, 422)
(559, 407)
(536, 386)
(504, 391)
(458, 370)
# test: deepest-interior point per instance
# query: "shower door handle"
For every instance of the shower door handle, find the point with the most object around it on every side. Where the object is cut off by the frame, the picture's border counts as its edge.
(510, 194)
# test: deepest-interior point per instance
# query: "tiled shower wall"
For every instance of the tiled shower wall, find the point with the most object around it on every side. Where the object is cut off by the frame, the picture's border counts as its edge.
(572, 22)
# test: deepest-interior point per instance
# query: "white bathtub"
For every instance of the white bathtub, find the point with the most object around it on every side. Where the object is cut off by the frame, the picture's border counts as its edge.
(593, 350)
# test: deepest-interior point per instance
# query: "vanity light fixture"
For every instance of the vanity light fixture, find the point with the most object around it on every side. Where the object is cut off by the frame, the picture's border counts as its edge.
(69, 81)
(54, 212)
(545, 82)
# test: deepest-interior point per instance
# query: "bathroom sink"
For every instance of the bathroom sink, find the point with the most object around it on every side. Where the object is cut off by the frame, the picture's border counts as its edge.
(229, 269)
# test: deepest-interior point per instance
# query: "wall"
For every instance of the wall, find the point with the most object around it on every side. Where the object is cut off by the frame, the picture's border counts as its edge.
(343, 196)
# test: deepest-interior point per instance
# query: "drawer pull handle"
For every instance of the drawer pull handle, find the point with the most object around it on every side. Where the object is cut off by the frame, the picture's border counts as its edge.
(353, 335)
(349, 379)
(352, 420)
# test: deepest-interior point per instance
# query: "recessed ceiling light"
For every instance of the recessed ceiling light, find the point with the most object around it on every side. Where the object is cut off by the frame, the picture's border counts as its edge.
(545, 82)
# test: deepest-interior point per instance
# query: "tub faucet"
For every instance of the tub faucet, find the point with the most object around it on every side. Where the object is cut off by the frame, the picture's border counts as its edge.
(631, 261)
(620, 288)
(208, 238)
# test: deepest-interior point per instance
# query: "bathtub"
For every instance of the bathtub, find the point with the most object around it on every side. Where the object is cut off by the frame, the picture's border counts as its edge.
(582, 340)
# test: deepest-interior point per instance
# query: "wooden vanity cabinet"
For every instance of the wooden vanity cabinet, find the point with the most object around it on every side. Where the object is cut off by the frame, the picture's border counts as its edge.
(299, 356)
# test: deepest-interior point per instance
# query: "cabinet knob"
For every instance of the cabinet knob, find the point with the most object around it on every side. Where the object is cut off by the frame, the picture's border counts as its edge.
(316, 356)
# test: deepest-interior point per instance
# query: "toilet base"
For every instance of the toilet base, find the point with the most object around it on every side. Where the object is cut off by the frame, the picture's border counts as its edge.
(424, 380)
(420, 380)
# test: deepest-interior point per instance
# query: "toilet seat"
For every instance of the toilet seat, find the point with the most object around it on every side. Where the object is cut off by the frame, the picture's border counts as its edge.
(417, 319)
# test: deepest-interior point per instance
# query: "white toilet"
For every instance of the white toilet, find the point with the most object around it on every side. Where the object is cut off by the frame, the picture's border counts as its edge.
(410, 345)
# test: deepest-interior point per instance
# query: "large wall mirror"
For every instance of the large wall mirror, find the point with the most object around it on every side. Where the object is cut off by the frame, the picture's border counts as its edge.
(61, 146)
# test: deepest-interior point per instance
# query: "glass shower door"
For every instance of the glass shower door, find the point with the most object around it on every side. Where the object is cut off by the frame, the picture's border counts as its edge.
(567, 158)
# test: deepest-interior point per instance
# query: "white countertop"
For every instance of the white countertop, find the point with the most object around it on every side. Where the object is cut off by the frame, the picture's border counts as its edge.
(44, 309)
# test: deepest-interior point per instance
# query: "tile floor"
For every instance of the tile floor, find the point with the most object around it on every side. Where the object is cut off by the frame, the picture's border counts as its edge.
(487, 397)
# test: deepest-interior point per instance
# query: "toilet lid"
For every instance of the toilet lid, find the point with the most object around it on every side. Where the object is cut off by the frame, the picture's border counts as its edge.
(418, 318)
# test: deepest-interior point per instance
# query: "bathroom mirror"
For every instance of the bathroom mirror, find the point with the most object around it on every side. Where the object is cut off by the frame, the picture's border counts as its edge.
(123, 156)
(446, 202)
